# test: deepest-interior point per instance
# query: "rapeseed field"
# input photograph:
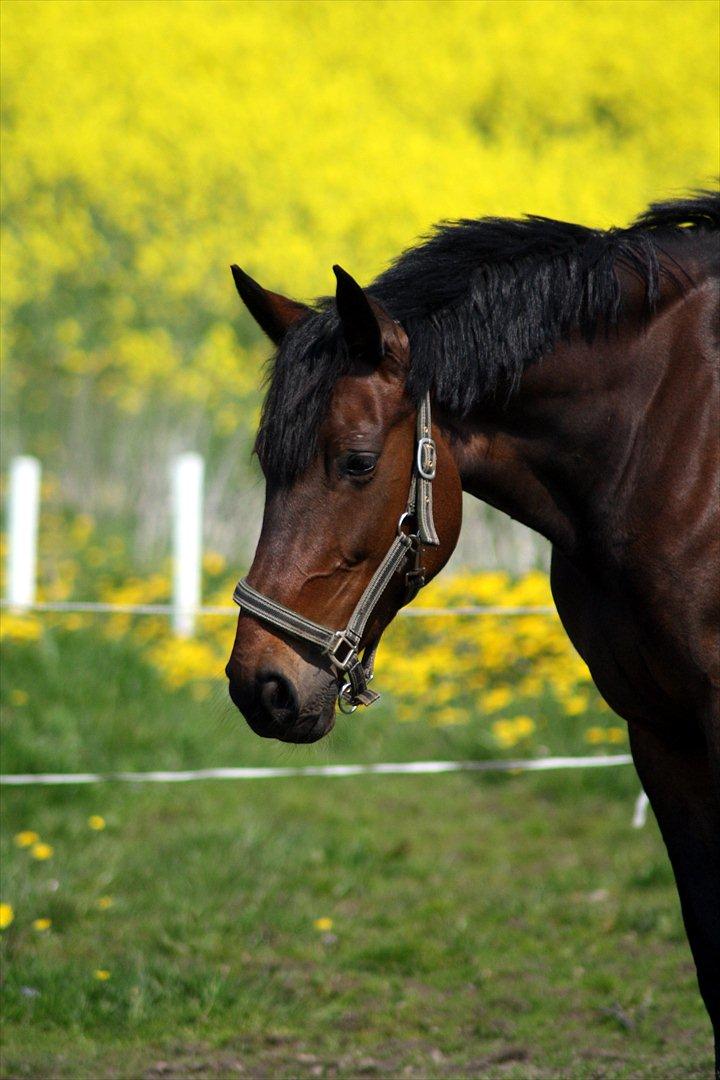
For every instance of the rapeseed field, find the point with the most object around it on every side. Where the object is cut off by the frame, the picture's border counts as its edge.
(148, 145)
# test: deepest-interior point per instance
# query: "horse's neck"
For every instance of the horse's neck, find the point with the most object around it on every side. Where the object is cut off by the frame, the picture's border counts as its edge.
(572, 454)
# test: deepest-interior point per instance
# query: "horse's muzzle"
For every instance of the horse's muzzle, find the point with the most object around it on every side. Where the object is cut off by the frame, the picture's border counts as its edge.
(269, 702)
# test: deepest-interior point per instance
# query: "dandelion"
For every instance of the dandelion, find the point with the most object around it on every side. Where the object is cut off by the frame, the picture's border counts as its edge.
(595, 735)
(41, 850)
(96, 822)
(524, 726)
(510, 732)
(101, 974)
(42, 924)
(26, 838)
(82, 528)
(496, 699)
(323, 924)
(213, 562)
(504, 732)
(615, 734)
(450, 715)
(576, 704)
(20, 627)
(6, 915)
(105, 902)
(18, 697)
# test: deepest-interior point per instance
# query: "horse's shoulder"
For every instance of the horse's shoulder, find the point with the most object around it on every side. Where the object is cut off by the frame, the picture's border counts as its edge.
(641, 673)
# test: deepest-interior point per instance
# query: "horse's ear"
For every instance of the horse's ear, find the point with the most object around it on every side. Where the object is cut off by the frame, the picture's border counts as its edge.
(273, 313)
(359, 320)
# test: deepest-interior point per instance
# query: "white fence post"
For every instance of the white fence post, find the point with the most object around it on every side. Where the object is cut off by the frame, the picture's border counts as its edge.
(187, 485)
(640, 812)
(23, 510)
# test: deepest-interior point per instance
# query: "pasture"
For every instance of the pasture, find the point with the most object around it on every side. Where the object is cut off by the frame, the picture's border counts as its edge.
(494, 926)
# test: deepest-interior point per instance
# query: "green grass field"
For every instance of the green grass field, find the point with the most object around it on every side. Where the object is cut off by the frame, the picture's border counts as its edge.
(484, 926)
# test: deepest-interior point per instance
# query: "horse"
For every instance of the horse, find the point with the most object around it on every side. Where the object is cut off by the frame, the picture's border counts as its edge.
(565, 375)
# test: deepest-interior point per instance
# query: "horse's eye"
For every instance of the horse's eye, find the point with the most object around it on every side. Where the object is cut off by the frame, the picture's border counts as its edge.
(358, 464)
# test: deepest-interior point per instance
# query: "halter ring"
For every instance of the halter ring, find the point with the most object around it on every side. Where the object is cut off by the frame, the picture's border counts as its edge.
(405, 516)
(345, 704)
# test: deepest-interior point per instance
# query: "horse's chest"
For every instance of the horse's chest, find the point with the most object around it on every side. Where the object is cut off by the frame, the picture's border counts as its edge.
(637, 671)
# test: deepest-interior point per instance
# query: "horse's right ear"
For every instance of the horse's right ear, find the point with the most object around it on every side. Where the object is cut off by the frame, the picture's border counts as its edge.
(273, 313)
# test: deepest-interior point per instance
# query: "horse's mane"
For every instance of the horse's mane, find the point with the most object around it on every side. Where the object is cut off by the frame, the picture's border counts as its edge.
(480, 300)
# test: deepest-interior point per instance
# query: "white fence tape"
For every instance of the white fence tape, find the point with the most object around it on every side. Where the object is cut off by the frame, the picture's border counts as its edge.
(408, 768)
(93, 607)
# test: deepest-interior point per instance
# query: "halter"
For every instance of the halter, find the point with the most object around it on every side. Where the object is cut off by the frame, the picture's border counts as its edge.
(342, 647)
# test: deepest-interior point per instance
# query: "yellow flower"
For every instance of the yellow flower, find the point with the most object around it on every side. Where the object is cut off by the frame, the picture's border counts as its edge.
(96, 822)
(20, 627)
(576, 704)
(616, 734)
(105, 902)
(42, 924)
(213, 562)
(324, 924)
(81, 529)
(6, 915)
(510, 732)
(504, 732)
(524, 725)
(450, 715)
(41, 850)
(18, 697)
(496, 699)
(101, 974)
(26, 838)
(94, 556)
(595, 735)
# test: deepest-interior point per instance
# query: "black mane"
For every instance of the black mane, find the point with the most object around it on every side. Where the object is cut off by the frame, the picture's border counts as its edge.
(480, 300)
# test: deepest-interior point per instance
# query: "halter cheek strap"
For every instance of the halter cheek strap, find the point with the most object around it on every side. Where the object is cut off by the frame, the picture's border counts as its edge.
(342, 647)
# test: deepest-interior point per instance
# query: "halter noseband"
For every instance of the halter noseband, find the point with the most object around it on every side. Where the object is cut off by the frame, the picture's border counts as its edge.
(342, 647)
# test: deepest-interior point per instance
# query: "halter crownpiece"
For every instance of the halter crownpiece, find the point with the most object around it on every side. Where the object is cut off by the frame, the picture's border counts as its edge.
(342, 647)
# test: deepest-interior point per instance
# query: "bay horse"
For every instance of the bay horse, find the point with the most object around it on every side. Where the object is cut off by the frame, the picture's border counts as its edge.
(569, 377)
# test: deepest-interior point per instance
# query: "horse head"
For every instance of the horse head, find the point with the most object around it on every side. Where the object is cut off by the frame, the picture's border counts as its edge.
(340, 448)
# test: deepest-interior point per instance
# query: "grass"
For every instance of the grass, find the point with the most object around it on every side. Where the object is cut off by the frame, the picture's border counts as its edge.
(493, 926)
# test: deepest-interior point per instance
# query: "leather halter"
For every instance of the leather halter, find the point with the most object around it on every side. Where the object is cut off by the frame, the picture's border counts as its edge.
(342, 647)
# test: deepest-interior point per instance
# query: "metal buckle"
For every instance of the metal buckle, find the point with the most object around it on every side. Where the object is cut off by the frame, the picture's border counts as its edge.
(426, 458)
(333, 651)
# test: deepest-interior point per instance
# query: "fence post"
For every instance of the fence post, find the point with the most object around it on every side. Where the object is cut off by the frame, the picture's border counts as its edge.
(23, 510)
(187, 486)
(640, 812)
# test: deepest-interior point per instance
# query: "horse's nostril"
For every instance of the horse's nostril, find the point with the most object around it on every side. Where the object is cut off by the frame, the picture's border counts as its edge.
(278, 698)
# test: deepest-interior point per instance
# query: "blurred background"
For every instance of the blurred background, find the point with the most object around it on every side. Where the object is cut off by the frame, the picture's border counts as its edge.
(146, 146)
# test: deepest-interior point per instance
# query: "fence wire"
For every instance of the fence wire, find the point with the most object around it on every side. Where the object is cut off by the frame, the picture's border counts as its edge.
(99, 608)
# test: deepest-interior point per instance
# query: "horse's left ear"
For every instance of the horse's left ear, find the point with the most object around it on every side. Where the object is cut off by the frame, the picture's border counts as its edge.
(359, 319)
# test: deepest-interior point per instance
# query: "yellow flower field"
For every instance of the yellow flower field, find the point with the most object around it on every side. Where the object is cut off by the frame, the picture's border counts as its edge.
(148, 145)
